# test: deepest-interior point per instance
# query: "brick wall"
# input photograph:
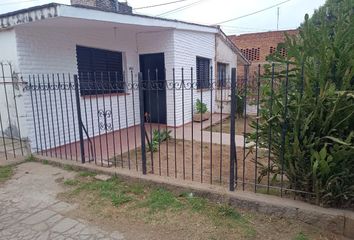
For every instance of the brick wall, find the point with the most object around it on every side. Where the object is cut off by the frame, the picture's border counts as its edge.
(257, 46)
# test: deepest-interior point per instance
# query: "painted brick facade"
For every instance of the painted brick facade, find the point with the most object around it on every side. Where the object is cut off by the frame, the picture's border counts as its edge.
(49, 50)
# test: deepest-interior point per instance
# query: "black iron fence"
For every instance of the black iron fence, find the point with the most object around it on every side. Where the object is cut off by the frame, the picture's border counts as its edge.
(12, 143)
(174, 127)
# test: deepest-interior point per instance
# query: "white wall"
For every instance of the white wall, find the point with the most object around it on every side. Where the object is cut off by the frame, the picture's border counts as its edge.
(10, 91)
(53, 50)
(189, 45)
(42, 50)
(224, 54)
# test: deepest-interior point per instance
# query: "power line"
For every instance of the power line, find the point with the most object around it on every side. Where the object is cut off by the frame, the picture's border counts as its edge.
(158, 5)
(180, 8)
(247, 28)
(253, 13)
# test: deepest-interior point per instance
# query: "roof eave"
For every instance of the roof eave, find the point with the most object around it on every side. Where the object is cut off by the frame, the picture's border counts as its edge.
(53, 10)
(227, 41)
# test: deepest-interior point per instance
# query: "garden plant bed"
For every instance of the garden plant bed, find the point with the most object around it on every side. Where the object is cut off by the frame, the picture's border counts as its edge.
(213, 169)
(140, 210)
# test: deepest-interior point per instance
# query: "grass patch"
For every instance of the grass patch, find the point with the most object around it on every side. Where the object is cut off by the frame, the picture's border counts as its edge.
(5, 173)
(45, 162)
(120, 199)
(154, 204)
(68, 167)
(197, 204)
(300, 236)
(30, 158)
(116, 199)
(228, 212)
(137, 189)
(71, 182)
(161, 200)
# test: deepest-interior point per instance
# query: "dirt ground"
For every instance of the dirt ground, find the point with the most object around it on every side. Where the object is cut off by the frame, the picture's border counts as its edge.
(186, 161)
(225, 126)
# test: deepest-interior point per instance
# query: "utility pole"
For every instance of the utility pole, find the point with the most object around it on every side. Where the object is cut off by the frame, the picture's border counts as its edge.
(278, 18)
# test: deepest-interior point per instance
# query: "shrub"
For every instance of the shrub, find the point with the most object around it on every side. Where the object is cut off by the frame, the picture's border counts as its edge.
(240, 105)
(319, 137)
(158, 137)
(319, 143)
(200, 107)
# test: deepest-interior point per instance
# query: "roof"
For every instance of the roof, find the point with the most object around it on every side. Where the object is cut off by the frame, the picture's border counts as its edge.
(233, 47)
(53, 10)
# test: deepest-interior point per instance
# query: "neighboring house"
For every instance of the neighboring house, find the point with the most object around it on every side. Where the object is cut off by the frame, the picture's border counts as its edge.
(105, 36)
(257, 46)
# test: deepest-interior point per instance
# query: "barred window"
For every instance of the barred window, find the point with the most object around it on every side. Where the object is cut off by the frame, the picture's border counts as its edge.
(100, 71)
(203, 74)
(222, 74)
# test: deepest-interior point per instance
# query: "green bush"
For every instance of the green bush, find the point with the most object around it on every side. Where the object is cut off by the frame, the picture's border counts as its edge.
(319, 143)
(200, 107)
(158, 137)
(319, 136)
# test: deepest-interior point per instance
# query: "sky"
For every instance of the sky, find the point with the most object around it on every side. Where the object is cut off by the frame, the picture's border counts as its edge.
(211, 12)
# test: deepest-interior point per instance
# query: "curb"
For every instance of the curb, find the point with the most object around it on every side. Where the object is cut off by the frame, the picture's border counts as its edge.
(339, 222)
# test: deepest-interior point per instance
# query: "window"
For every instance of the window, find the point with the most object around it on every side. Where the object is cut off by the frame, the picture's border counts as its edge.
(100, 71)
(222, 74)
(252, 54)
(203, 74)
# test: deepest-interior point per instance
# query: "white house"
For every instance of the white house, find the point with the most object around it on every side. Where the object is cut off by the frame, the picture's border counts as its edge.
(71, 39)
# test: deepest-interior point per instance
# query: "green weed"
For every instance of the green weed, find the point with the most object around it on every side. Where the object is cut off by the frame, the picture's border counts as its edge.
(71, 182)
(5, 173)
(160, 200)
(301, 236)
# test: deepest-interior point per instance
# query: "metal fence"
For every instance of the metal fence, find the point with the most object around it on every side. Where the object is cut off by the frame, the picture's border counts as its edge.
(12, 143)
(178, 126)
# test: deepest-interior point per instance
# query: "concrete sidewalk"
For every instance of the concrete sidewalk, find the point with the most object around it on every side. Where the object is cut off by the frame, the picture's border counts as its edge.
(29, 208)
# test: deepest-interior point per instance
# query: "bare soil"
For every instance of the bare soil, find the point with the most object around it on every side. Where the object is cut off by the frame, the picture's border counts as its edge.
(194, 161)
(225, 125)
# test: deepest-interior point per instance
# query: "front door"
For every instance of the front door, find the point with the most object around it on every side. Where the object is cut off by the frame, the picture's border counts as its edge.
(152, 67)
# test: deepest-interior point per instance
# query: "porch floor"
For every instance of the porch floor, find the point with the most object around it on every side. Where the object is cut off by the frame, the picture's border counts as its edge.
(111, 144)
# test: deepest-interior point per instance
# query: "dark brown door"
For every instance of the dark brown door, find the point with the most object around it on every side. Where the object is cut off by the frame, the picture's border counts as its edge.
(152, 67)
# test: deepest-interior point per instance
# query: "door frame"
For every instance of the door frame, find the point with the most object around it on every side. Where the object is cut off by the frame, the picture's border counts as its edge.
(162, 110)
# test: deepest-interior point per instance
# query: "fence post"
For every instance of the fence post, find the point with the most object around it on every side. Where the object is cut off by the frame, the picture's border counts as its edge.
(142, 122)
(232, 130)
(79, 118)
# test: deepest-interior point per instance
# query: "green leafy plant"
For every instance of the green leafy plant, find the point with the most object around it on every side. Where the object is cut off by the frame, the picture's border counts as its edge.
(200, 107)
(313, 143)
(157, 138)
(240, 100)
